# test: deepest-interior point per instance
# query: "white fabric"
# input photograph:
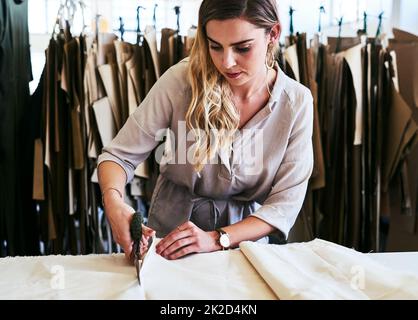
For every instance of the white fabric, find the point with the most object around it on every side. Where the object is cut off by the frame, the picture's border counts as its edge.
(68, 277)
(218, 275)
(315, 270)
(353, 58)
(324, 270)
(400, 261)
(291, 56)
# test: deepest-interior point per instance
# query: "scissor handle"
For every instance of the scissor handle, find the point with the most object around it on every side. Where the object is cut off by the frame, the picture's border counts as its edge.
(136, 226)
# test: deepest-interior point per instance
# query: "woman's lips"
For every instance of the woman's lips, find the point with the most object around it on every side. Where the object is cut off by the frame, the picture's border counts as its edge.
(233, 75)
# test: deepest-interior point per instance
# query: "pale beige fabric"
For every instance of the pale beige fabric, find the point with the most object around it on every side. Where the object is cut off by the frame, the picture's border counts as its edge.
(134, 71)
(323, 270)
(68, 277)
(124, 52)
(92, 86)
(233, 188)
(105, 120)
(353, 58)
(151, 37)
(109, 76)
(218, 275)
(291, 56)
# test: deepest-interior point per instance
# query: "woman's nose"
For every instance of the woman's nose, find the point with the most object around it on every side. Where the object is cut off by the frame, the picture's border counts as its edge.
(228, 59)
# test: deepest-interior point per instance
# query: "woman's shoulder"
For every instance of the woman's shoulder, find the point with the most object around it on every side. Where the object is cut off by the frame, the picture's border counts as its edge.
(177, 76)
(172, 90)
(297, 94)
(293, 97)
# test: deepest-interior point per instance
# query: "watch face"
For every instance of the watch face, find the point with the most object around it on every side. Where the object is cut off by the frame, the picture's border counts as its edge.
(224, 241)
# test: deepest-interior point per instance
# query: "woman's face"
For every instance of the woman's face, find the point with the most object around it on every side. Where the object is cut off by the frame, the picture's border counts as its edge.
(238, 49)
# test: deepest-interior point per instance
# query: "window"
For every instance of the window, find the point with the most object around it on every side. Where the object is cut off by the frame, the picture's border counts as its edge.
(306, 15)
(43, 14)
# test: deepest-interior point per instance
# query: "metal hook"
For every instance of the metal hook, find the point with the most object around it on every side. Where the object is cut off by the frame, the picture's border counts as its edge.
(177, 11)
(121, 27)
(83, 7)
(340, 26)
(138, 25)
(291, 12)
(58, 19)
(154, 17)
(379, 27)
(97, 20)
(365, 22)
(321, 11)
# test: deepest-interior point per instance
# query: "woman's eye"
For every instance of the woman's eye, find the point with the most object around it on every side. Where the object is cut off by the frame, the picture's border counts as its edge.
(215, 48)
(243, 50)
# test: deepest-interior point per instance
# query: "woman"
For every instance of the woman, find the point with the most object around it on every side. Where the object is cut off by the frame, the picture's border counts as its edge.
(227, 99)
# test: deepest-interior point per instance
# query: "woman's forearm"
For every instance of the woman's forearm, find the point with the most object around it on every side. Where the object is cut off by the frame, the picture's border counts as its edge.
(251, 228)
(112, 180)
(112, 177)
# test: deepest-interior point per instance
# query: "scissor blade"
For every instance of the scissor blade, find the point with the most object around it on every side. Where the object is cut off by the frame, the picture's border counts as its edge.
(140, 261)
(142, 256)
(138, 265)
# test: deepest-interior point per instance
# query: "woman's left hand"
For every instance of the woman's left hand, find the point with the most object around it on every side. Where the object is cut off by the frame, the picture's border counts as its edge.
(186, 239)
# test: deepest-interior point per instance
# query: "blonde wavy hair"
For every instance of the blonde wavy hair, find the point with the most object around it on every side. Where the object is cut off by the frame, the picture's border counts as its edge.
(212, 115)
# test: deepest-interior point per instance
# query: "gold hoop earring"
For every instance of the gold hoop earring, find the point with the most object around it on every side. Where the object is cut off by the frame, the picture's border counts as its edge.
(269, 58)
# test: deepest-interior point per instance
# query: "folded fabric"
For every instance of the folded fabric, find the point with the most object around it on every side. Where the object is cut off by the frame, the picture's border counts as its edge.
(323, 270)
(217, 275)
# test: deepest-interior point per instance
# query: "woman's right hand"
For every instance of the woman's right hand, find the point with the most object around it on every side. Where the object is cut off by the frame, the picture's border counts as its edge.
(119, 215)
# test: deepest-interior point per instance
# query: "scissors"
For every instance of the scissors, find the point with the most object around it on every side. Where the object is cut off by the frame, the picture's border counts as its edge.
(136, 234)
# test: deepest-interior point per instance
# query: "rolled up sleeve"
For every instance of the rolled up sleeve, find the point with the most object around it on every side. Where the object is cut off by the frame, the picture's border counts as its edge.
(282, 205)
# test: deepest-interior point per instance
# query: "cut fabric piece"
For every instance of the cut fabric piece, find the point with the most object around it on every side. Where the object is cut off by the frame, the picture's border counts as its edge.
(401, 133)
(318, 174)
(105, 120)
(323, 270)
(151, 38)
(124, 52)
(291, 56)
(109, 75)
(189, 41)
(71, 83)
(135, 89)
(353, 58)
(406, 47)
(38, 172)
(337, 45)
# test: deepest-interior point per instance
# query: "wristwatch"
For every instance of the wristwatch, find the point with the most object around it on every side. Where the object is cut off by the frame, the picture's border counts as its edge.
(224, 240)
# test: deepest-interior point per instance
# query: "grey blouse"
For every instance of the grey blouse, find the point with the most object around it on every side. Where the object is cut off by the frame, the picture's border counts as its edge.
(265, 174)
